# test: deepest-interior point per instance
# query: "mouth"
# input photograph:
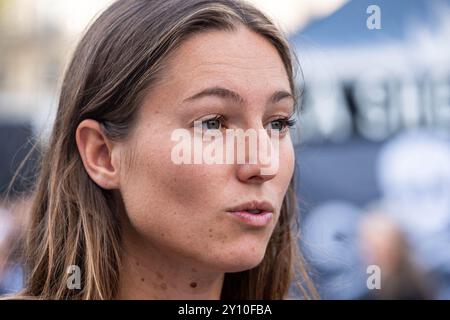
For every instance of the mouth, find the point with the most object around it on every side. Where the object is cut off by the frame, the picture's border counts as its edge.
(255, 213)
(254, 207)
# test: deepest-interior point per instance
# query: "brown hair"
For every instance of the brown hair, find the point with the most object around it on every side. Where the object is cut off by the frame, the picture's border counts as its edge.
(75, 222)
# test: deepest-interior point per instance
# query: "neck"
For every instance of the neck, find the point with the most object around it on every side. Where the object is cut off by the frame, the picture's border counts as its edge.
(149, 273)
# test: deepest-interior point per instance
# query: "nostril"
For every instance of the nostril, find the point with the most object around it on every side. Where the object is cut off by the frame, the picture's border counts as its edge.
(257, 179)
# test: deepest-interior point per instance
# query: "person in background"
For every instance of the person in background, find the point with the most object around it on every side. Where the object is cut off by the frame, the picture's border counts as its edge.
(384, 245)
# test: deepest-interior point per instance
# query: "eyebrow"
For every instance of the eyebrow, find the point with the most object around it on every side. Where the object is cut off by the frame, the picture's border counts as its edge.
(227, 94)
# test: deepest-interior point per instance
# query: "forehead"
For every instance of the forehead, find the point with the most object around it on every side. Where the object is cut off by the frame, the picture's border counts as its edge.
(241, 60)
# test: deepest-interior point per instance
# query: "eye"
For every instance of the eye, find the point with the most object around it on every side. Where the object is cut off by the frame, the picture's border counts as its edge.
(282, 124)
(213, 123)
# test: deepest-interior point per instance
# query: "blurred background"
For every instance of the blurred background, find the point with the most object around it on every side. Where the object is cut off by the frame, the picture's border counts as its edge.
(373, 141)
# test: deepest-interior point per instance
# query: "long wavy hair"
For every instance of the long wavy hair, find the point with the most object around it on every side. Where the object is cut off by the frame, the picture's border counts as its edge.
(75, 222)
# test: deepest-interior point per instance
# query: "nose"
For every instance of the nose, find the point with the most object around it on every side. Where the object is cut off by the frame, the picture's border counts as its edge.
(260, 165)
(251, 173)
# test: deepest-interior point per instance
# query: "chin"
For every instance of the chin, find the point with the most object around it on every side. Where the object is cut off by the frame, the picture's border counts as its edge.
(244, 259)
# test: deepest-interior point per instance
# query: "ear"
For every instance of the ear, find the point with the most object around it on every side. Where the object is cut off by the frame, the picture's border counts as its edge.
(97, 152)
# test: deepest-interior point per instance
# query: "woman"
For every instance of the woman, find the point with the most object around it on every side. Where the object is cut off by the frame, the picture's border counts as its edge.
(109, 199)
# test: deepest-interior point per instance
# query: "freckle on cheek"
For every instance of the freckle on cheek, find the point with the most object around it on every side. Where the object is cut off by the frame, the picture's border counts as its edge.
(193, 285)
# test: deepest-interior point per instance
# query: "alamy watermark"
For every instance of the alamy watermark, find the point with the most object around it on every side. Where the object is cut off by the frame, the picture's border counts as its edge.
(74, 279)
(373, 22)
(374, 279)
(235, 147)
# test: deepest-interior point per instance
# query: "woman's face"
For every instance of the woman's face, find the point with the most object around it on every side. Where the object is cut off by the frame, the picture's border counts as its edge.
(182, 209)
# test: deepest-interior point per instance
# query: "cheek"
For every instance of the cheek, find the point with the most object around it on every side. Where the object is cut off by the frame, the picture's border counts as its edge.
(177, 207)
(160, 192)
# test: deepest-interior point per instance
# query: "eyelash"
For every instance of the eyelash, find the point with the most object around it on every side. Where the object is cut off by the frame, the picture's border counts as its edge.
(288, 122)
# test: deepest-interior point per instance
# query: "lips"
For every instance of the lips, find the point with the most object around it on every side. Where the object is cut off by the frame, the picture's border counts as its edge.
(254, 207)
(253, 213)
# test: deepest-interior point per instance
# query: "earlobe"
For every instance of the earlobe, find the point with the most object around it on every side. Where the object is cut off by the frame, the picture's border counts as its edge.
(95, 150)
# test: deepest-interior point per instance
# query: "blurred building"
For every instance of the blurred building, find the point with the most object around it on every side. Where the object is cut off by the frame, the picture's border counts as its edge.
(376, 82)
(37, 38)
(32, 51)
